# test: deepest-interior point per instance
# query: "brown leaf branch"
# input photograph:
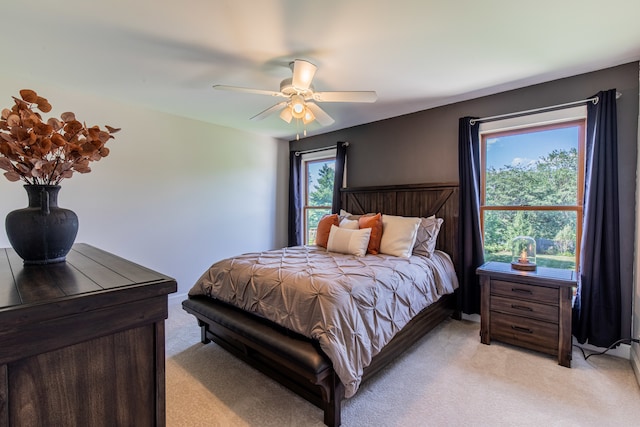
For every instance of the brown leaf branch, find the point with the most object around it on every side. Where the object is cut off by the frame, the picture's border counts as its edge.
(40, 152)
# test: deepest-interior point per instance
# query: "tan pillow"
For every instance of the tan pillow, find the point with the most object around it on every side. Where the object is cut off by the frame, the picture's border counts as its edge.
(346, 241)
(348, 215)
(375, 224)
(349, 223)
(427, 236)
(324, 227)
(398, 235)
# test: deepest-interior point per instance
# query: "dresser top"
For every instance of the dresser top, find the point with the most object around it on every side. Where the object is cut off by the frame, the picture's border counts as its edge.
(546, 274)
(88, 271)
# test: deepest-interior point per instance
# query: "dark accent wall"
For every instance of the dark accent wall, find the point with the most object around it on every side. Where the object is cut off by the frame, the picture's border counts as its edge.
(423, 146)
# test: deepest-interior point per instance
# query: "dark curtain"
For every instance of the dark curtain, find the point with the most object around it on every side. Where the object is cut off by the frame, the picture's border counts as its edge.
(295, 199)
(341, 156)
(471, 253)
(597, 309)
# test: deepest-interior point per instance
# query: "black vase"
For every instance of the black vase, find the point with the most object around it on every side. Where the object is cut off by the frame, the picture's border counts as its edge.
(42, 233)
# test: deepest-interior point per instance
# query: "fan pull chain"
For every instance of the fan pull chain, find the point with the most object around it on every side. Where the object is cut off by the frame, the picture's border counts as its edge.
(304, 129)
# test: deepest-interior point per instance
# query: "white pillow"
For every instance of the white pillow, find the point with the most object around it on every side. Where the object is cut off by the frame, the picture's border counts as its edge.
(351, 224)
(398, 235)
(346, 241)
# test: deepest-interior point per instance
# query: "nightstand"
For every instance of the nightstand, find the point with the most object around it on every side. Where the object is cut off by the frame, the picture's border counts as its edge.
(530, 309)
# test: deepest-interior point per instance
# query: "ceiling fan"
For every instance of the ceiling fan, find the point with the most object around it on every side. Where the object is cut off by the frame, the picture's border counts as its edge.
(301, 98)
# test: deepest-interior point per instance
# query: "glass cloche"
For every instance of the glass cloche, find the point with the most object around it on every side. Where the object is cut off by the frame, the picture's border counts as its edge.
(523, 253)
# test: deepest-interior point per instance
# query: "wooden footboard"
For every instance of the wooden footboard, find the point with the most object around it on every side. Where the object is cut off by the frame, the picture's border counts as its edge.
(295, 361)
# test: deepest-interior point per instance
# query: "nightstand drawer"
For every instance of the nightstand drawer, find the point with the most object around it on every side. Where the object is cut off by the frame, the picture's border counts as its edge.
(540, 294)
(521, 307)
(533, 334)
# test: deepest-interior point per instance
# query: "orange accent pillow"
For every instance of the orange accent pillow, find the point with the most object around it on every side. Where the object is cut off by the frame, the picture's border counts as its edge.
(324, 228)
(375, 224)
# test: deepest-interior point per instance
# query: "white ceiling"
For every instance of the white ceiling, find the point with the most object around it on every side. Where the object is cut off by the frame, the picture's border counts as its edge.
(166, 55)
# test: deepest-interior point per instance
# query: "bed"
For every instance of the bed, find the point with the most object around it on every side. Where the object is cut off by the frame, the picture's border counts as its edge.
(324, 364)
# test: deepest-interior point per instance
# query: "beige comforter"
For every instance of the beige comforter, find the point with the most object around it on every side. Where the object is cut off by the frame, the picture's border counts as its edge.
(352, 305)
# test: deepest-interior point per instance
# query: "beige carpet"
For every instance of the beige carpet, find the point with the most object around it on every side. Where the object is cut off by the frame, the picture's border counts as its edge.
(447, 379)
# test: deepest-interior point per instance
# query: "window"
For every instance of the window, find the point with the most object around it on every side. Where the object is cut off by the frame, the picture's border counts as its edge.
(532, 184)
(319, 173)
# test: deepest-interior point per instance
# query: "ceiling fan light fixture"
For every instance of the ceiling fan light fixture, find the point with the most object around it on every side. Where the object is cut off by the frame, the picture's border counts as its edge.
(286, 115)
(308, 116)
(303, 72)
(297, 115)
(301, 99)
(298, 110)
(298, 106)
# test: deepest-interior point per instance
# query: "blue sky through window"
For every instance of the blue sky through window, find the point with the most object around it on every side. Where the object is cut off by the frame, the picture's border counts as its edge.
(523, 149)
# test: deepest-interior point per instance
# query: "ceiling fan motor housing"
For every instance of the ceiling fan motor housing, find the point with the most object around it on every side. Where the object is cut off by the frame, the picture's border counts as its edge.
(287, 88)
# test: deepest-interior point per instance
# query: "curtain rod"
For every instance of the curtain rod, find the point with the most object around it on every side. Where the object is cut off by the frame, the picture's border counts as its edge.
(537, 110)
(315, 150)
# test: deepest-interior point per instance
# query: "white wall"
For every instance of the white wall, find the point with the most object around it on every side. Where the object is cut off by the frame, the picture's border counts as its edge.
(175, 194)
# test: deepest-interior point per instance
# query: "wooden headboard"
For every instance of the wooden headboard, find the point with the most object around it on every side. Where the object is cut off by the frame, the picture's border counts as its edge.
(419, 200)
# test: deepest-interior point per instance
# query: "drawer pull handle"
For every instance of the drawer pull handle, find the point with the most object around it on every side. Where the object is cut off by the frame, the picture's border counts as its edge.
(521, 307)
(521, 329)
(521, 291)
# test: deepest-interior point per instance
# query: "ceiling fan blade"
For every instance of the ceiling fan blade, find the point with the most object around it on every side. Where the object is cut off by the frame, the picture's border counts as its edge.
(347, 96)
(303, 72)
(248, 90)
(269, 110)
(323, 118)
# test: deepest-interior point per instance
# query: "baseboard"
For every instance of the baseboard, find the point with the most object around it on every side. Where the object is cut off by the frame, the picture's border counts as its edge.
(175, 296)
(635, 361)
(623, 350)
(471, 317)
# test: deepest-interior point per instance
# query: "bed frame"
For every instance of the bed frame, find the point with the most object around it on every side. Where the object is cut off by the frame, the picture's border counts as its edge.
(298, 362)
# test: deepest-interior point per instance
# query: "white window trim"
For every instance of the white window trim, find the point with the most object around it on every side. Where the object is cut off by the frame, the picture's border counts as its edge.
(329, 153)
(310, 157)
(318, 155)
(541, 119)
(533, 120)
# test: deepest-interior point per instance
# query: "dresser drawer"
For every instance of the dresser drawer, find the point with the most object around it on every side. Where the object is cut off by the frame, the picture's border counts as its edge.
(522, 307)
(522, 290)
(529, 333)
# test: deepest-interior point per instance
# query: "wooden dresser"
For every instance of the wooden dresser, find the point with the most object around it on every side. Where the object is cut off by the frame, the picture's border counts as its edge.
(82, 341)
(531, 309)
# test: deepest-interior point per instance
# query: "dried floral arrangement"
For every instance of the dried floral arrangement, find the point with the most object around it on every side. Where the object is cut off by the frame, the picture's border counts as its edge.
(40, 152)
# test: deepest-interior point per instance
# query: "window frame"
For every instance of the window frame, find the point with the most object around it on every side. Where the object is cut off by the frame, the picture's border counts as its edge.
(307, 159)
(536, 123)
